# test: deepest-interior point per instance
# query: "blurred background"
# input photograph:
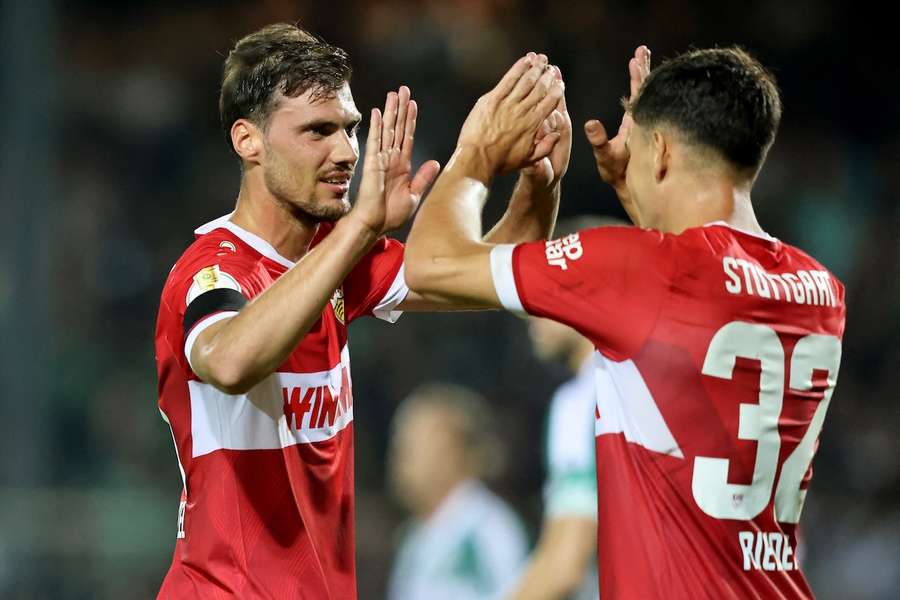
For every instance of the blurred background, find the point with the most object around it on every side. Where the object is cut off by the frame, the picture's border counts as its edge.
(112, 155)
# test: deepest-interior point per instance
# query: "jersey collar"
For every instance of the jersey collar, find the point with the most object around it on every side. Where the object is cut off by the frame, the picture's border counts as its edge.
(762, 236)
(251, 239)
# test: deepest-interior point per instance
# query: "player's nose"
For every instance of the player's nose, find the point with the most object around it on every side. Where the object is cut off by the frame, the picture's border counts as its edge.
(345, 150)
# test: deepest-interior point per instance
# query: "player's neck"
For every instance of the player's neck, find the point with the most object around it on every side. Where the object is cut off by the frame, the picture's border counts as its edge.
(708, 200)
(260, 213)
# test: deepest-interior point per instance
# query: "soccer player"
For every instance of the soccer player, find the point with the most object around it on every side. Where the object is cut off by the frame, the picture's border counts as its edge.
(563, 564)
(722, 343)
(464, 542)
(251, 339)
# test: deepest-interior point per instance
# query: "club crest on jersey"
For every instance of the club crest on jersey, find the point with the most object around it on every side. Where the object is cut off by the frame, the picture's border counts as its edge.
(211, 278)
(337, 303)
(560, 251)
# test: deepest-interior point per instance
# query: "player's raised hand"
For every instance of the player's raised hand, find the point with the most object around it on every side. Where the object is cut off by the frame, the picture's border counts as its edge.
(611, 154)
(549, 170)
(503, 126)
(403, 191)
(388, 193)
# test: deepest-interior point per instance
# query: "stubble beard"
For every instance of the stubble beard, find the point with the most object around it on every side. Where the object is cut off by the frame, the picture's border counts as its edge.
(303, 206)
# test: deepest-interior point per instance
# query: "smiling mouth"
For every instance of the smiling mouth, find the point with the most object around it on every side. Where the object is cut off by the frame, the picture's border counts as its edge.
(342, 179)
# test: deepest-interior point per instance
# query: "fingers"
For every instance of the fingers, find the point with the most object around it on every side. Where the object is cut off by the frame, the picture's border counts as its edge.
(552, 123)
(389, 121)
(598, 139)
(529, 79)
(550, 101)
(424, 177)
(643, 56)
(511, 78)
(545, 145)
(561, 105)
(638, 69)
(402, 108)
(634, 77)
(611, 160)
(373, 141)
(542, 87)
(406, 149)
(596, 133)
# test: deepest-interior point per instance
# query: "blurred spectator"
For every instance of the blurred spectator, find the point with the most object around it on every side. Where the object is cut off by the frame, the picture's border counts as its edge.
(464, 542)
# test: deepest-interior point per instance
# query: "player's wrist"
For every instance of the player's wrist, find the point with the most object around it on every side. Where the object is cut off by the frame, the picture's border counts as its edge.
(473, 161)
(360, 228)
(537, 179)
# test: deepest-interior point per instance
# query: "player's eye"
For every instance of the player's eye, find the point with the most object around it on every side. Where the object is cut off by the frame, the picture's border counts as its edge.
(321, 130)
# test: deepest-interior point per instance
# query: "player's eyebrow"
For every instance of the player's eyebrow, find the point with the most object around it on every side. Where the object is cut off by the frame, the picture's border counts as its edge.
(353, 121)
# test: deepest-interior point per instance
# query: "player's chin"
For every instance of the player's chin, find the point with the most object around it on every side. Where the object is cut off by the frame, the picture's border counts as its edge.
(330, 208)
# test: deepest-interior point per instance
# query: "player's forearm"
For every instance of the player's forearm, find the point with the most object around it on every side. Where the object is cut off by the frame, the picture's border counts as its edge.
(242, 351)
(545, 579)
(531, 214)
(448, 226)
(560, 561)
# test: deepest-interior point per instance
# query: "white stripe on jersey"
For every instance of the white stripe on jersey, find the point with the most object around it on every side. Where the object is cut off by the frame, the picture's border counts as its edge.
(394, 296)
(626, 406)
(257, 421)
(200, 327)
(504, 280)
(251, 239)
(623, 399)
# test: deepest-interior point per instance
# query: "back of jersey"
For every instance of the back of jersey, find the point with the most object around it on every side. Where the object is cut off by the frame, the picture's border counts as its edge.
(718, 352)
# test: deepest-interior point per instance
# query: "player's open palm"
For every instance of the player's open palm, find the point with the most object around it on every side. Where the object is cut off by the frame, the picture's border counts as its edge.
(504, 124)
(389, 193)
(611, 154)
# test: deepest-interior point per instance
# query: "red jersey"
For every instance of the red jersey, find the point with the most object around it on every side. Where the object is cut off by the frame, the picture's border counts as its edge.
(717, 352)
(267, 506)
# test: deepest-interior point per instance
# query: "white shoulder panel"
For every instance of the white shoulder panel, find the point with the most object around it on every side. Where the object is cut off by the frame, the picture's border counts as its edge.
(626, 406)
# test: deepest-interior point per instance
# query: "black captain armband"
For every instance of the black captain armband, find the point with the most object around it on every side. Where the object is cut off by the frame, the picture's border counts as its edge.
(210, 302)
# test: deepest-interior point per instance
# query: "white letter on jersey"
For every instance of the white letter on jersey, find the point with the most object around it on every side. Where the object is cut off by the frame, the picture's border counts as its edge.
(812, 294)
(745, 538)
(766, 551)
(729, 263)
(560, 251)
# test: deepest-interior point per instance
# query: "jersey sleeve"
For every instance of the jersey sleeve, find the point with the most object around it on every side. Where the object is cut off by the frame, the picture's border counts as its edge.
(207, 286)
(608, 283)
(571, 485)
(376, 284)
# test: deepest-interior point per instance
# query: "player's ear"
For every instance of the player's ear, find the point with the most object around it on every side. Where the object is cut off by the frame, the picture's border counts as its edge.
(246, 139)
(662, 155)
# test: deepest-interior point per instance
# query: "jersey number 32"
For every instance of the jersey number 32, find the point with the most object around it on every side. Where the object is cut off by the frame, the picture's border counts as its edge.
(759, 422)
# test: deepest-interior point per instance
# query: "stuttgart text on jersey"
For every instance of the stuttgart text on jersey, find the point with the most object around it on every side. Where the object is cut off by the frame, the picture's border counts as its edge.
(811, 287)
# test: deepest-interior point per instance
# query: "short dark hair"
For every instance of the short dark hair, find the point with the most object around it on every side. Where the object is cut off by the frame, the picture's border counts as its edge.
(721, 98)
(277, 58)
